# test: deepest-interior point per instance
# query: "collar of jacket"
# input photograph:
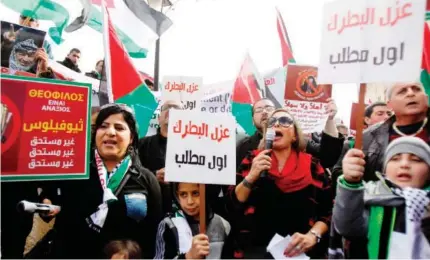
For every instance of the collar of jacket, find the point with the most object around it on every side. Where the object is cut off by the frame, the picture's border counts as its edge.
(70, 63)
(379, 193)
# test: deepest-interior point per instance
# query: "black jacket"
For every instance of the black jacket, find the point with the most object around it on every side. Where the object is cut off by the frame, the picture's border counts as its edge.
(327, 151)
(69, 64)
(93, 74)
(80, 198)
(152, 154)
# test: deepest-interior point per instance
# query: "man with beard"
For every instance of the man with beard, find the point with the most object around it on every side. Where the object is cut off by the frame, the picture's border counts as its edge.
(20, 52)
(328, 150)
(22, 56)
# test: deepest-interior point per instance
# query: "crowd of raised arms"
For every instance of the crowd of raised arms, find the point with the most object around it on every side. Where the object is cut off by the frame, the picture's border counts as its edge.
(331, 199)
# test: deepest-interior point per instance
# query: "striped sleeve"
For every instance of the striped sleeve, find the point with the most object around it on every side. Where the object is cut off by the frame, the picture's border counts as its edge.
(160, 244)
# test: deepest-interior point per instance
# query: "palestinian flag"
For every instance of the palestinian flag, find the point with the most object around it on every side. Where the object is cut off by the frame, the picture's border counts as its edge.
(246, 91)
(425, 73)
(287, 50)
(136, 24)
(130, 89)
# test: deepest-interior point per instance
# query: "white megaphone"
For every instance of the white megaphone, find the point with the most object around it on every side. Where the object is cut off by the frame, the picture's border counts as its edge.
(31, 207)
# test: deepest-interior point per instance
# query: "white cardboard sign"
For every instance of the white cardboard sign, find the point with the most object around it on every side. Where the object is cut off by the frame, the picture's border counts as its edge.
(188, 90)
(201, 148)
(367, 41)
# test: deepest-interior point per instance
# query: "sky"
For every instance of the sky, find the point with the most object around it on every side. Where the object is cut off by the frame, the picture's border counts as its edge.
(209, 38)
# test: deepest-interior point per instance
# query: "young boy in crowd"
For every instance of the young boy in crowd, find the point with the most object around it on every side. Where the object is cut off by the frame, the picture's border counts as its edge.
(392, 214)
(178, 234)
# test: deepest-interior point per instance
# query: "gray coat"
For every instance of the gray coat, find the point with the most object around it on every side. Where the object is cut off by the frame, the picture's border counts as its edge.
(351, 214)
(351, 207)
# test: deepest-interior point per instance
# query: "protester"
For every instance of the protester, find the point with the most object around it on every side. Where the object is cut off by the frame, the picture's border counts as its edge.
(149, 84)
(409, 103)
(15, 226)
(391, 214)
(72, 59)
(152, 152)
(122, 249)
(20, 52)
(292, 198)
(85, 224)
(97, 73)
(328, 150)
(375, 113)
(343, 130)
(179, 234)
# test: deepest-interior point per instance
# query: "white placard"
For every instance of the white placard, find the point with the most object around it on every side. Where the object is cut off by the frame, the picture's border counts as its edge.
(201, 148)
(368, 41)
(188, 90)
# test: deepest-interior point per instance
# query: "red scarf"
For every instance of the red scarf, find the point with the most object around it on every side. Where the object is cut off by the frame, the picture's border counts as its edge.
(296, 174)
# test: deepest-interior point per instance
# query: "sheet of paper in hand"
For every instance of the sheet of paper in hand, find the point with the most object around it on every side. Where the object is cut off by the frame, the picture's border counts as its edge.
(19, 45)
(201, 148)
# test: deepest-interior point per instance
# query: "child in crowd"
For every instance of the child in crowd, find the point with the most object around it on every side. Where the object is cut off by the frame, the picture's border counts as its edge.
(178, 234)
(123, 249)
(392, 213)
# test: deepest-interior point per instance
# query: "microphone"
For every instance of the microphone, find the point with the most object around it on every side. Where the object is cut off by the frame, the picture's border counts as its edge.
(31, 207)
(270, 136)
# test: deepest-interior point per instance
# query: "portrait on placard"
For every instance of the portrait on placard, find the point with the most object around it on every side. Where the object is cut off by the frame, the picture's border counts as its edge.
(19, 45)
(302, 84)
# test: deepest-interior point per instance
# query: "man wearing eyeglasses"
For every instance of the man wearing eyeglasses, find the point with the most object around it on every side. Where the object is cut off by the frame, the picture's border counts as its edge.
(72, 59)
(152, 151)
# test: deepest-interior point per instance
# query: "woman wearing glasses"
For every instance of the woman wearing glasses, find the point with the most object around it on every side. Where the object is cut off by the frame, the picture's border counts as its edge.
(281, 191)
(119, 201)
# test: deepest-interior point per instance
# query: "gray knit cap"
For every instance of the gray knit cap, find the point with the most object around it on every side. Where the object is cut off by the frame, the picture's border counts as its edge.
(408, 144)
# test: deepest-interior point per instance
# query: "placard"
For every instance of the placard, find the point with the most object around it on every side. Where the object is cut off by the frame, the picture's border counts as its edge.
(45, 129)
(201, 148)
(371, 41)
(19, 46)
(305, 98)
(188, 90)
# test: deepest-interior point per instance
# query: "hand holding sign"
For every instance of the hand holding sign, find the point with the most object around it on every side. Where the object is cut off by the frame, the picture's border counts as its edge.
(200, 148)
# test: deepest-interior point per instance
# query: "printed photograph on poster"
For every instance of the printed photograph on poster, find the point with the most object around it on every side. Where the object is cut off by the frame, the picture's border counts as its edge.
(371, 41)
(201, 148)
(6, 116)
(302, 85)
(18, 47)
(45, 129)
(305, 98)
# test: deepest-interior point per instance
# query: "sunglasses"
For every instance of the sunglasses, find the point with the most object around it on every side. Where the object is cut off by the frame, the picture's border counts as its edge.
(283, 121)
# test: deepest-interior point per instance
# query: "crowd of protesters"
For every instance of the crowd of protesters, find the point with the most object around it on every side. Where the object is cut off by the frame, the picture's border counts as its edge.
(334, 200)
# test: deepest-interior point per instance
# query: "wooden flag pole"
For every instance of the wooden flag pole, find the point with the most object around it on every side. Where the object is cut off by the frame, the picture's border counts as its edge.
(202, 194)
(360, 117)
